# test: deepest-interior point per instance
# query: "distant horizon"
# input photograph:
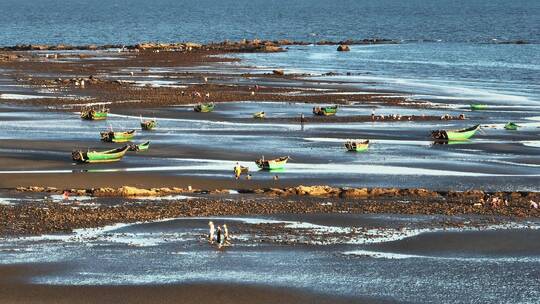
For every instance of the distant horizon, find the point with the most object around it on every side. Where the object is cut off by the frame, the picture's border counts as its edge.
(129, 22)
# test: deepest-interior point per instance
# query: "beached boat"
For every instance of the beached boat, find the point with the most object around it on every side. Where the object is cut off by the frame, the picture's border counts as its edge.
(99, 157)
(204, 107)
(478, 106)
(462, 134)
(272, 164)
(148, 124)
(325, 111)
(511, 126)
(111, 136)
(259, 115)
(357, 146)
(140, 147)
(91, 114)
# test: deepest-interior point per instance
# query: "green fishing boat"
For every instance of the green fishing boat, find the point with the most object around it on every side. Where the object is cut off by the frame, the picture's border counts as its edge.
(259, 115)
(511, 126)
(478, 106)
(148, 124)
(272, 164)
(325, 111)
(462, 134)
(140, 147)
(204, 107)
(91, 114)
(99, 157)
(117, 137)
(357, 146)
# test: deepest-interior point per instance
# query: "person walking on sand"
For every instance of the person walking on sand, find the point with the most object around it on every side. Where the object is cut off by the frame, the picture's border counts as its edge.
(237, 171)
(211, 232)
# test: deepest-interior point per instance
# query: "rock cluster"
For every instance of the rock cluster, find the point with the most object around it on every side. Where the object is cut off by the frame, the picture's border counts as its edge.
(8, 57)
(471, 196)
(244, 45)
(343, 48)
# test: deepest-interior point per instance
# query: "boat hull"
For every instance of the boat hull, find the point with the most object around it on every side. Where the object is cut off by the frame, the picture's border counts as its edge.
(204, 108)
(140, 147)
(117, 137)
(455, 135)
(273, 164)
(259, 115)
(325, 111)
(477, 106)
(357, 146)
(94, 115)
(511, 126)
(99, 157)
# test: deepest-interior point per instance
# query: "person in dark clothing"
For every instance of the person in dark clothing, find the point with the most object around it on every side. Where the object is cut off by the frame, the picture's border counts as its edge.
(218, 236)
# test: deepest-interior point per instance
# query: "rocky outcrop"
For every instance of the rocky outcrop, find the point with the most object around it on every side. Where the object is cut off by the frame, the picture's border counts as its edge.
(476, 198)
(343, 48)
(244, 45)
(354, 193)
(8, 57)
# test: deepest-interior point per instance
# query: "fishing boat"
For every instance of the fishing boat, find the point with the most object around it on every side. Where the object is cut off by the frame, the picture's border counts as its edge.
(357, 146)
(148, 124)
(478, 106)
(272, 164)
(204, 107)
(111, 136)
(325, 111)
(99, 157)
(140, 147)
(511, 126)
(462, 134)
(92, 114)
(259, 115)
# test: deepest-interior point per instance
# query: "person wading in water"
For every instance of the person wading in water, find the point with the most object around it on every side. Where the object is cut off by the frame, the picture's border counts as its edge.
(211, 232)
(226, 240)
(219, 237)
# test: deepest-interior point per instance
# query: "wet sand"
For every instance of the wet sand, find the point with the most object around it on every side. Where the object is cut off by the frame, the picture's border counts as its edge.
(15, 289)
(478, 243)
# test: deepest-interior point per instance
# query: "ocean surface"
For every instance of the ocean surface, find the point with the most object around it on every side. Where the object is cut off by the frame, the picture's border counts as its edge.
(448, 48)
(133, 21)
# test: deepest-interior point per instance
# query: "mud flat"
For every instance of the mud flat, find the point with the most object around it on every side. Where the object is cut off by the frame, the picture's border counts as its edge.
(16, 289)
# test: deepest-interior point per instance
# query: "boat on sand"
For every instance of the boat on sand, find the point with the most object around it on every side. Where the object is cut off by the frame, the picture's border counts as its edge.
(357, 146)
(111, 136)
(462, 134)
(204, 107)
(272, 164)
(99, 157)
(140, 147)
(92, 114)
(325, 111)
